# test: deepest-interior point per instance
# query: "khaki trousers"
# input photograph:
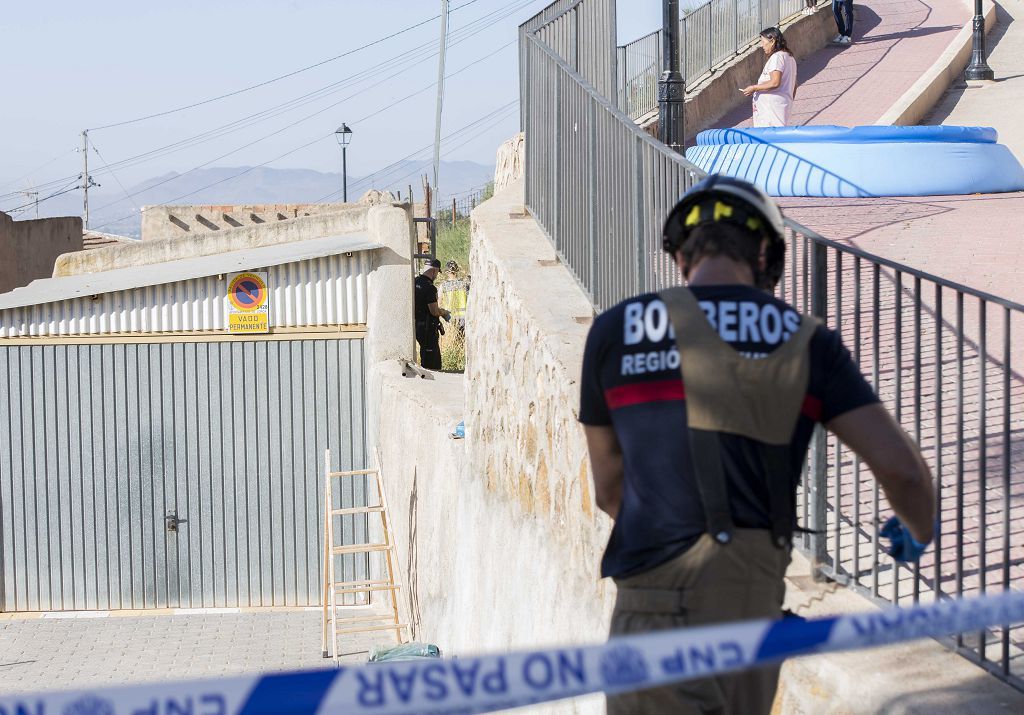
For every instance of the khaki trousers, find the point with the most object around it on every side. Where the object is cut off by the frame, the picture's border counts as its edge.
(709, 583)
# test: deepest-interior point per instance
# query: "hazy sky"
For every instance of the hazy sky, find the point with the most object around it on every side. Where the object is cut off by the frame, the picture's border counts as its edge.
(70, 65)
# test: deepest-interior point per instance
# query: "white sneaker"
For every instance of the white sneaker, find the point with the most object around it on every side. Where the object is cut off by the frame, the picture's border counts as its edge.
(837, 40)
(846, 40)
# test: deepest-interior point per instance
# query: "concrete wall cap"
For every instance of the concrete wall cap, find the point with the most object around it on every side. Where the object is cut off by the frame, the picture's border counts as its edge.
(162, 250)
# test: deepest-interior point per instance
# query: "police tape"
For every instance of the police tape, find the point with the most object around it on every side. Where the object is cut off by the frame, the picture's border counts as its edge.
(501, 681)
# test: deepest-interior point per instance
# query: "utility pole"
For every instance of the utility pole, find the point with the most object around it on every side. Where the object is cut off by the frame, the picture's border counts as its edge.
(440, 91)
(978, 69)
(34, 195)
(671, 86)
(85, 177)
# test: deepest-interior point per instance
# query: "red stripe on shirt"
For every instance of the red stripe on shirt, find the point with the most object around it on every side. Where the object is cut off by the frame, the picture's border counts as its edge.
(672, 390)
(812, 407)
(641, 392)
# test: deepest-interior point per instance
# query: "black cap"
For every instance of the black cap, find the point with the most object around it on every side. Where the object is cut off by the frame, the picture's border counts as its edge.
(434, 263)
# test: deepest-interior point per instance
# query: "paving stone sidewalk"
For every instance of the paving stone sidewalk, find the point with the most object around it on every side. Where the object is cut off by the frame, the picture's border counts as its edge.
(973, 240)
(895, 42)
(38, 654)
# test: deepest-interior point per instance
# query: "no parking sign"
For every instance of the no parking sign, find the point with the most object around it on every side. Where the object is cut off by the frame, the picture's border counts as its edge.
(248, 303)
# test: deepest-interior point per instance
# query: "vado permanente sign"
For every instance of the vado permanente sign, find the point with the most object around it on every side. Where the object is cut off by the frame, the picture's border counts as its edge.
(248, 303)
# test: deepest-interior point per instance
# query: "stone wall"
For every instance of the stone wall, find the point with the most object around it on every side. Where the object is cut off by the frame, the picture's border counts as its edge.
(29, 249)
(527, 322)
(510, 162)
(499, 538)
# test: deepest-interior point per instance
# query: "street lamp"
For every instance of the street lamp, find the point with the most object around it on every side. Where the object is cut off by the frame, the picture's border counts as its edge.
(671, 86)
(344, 135)
(978, 69)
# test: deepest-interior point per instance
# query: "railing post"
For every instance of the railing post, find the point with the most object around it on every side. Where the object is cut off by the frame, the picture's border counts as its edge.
(736, 25)
(620, 71)
(638, 211)
(711, 38)
(556, 232)
(526, 49)
(576, 40)
(818, 486)
(592, 221)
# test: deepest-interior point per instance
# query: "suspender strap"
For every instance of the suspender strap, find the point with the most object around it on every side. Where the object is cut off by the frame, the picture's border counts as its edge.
(714, 496)
(757, 399)
(775, 460)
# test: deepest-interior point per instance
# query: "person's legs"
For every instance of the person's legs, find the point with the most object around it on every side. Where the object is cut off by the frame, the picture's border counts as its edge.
(430, 350)
(636, 611)
(715, 584)
(842, 10)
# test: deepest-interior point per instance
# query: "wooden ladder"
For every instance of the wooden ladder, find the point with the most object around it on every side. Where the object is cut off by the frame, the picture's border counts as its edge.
(333, 625)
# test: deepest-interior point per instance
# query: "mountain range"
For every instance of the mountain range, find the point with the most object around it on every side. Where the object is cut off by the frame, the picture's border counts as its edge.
(113, 212)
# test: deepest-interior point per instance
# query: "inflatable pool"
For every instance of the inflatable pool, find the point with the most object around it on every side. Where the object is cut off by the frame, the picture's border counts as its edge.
(829, 161)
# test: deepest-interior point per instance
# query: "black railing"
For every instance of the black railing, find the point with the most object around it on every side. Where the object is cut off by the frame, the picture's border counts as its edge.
(939, 354)
(941, 357)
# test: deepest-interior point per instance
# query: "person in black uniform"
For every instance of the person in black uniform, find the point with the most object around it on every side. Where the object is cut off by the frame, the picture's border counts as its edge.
(428, 314)
(698, 405)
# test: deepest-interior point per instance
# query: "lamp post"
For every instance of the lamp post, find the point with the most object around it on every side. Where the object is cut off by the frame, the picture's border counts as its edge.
(671, 86)
(344, 135)
(978, 69)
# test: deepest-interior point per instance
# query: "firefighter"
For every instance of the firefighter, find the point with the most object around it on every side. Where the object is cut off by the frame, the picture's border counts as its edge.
(698, 405)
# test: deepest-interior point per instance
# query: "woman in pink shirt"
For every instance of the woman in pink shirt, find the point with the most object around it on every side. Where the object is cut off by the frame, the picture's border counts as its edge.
(776, 87)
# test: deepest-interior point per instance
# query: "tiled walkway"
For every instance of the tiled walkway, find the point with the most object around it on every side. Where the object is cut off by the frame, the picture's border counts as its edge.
(61, 653)
(972, 240)
(895, 41)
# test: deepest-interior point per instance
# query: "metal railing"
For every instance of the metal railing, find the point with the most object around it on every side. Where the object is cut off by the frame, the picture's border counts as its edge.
(639, 68)
(593, 178)
(939, 354)
(581, 33)
(710, 35)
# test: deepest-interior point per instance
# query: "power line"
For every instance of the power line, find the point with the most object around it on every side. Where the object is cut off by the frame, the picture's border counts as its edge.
(229, 178)
(268, 113)
(278, 78)
(129, 196)
(40, 168)
(47, 198)
(306, 118)
(485, 119)
(472, 124)
(471, 29)
(482, 131)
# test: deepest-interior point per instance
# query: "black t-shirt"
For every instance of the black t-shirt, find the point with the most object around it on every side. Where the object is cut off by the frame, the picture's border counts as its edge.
(426, 293)
(631, 381)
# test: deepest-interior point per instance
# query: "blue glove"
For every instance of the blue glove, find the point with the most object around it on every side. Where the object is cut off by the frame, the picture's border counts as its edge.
(904, 547)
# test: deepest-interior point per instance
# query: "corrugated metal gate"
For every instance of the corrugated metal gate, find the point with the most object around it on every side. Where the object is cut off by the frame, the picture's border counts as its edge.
(108, 445)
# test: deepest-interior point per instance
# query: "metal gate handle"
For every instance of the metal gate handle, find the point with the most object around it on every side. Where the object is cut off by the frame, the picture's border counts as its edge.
(171, 521)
